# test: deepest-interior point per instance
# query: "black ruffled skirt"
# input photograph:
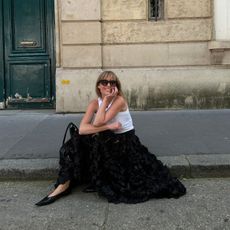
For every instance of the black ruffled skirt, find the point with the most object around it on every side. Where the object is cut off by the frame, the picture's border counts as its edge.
(118, 166)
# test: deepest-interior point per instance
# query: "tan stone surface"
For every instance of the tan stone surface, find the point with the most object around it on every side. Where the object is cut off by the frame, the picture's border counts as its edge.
(75, 96)
(124, 9)
(81, 32)
(143, 87)
(220, 57)
(167, 31)
(213, 45)
(81, 56)
(80, 9)
(168, 54)
(188, 8)
(226, 58)
(220, 52)
(184, 87)
(189, 54)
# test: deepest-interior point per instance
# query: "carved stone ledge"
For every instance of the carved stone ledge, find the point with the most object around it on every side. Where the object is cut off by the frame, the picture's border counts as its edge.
(220, 52)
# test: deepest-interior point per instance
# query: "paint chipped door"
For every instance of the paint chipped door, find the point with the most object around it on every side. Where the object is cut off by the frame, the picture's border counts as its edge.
(29, 53)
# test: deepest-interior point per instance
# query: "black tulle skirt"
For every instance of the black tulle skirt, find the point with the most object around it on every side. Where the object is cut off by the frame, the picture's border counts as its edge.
(118, 166)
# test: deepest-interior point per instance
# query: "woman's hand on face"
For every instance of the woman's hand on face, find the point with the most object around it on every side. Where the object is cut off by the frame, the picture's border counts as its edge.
(113, 93)
(115, 126)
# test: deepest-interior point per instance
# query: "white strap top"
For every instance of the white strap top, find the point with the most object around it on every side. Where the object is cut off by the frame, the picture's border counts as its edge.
(123, 117)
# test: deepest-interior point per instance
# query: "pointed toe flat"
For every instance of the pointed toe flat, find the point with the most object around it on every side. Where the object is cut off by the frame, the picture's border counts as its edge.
(51, 199)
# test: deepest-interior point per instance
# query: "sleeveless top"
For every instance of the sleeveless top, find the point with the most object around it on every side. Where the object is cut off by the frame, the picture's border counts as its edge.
(123, 117)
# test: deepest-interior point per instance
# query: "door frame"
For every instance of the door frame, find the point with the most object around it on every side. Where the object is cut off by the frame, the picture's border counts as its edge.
(50, 30)
(2, 64)
(52, 47)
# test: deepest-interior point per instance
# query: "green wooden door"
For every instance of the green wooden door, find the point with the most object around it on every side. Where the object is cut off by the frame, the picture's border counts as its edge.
(29, 64)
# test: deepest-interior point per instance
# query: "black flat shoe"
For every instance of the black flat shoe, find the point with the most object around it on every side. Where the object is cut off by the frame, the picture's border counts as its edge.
(89, 188)
(49, 200)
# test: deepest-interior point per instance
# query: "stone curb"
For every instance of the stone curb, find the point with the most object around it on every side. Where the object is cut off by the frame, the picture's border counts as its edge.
(198, 166)
(17, 169)
(183, 166)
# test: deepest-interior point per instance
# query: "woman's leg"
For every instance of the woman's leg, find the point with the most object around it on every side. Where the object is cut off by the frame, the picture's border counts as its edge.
(60, 191)
(74, 167)
(60, 188)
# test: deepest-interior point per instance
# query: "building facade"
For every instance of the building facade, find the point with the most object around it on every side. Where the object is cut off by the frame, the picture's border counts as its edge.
(179, 59)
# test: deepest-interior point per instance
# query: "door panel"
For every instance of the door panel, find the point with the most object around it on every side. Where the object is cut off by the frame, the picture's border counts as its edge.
(29, 53)
(28, 26)
(27, 89)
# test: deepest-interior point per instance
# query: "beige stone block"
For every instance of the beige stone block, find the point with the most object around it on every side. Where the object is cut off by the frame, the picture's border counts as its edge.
(220, 57)
(81, 56)
(146, 55)
(216, 45)
(80, 9)
(220, 52)
(226, 58)
(188, 8)
(188, 54)
(167, 31)
(124, 9)
(81, 32)
(80, 90)
(135, 55)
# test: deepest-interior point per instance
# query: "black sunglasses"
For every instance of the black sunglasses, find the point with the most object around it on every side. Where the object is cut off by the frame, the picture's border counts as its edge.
(106, 82)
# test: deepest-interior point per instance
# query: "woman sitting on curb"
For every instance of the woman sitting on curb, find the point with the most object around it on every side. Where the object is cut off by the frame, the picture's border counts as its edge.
(110, 157)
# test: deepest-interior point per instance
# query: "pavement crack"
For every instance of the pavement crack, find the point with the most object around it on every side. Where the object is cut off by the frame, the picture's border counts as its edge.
(103, 227)
(189, 168)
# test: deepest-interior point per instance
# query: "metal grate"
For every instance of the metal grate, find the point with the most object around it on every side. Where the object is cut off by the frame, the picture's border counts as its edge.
(156, 9)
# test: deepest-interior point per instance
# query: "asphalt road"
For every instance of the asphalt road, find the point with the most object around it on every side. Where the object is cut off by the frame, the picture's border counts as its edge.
(205, 207)
(38, 134)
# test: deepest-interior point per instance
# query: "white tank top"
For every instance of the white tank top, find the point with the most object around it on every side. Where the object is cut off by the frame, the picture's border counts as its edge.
(123, 117)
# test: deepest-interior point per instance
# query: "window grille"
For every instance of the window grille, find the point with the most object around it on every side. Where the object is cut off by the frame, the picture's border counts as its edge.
(156, 9)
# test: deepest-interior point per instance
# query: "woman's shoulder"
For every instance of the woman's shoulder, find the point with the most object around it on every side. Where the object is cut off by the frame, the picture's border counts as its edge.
(94, 101)
(122, 102)
(93, 104)
(120, 99)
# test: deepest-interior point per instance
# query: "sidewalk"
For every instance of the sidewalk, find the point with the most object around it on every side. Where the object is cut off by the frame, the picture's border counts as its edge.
(193, 143)
(204, 207)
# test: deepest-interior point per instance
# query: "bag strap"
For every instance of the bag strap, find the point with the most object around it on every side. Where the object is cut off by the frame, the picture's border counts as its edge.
(69, 126)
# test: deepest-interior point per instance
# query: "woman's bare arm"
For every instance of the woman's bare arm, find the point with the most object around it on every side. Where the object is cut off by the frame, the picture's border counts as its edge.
(86, 126)
(103, 116)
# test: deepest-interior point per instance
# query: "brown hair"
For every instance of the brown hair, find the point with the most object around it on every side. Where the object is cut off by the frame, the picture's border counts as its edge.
(105, 75)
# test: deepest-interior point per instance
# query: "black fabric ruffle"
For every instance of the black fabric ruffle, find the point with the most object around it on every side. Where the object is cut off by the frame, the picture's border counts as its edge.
(118, 166)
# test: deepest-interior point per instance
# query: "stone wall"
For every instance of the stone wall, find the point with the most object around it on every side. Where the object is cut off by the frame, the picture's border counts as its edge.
(166, 55)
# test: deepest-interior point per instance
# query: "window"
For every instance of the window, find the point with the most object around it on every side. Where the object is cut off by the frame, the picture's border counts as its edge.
(156, 9)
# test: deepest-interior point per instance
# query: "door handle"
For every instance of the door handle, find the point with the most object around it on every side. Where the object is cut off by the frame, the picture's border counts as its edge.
(28, 43)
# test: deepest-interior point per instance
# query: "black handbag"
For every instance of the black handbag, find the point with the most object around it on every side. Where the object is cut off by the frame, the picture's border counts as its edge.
(70, 155)
(73, 129)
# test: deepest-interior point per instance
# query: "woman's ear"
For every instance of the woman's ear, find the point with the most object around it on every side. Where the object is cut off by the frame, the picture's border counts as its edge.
(99, 88)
